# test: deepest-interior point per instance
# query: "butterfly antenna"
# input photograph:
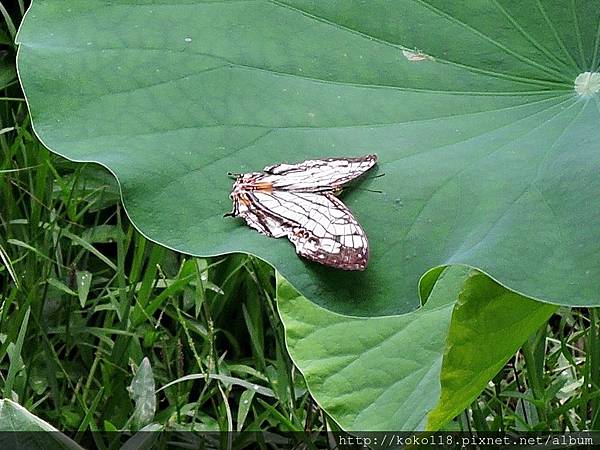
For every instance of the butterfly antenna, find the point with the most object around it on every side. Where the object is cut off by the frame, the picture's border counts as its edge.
(372, 190)
(234, 175)
(369, 190)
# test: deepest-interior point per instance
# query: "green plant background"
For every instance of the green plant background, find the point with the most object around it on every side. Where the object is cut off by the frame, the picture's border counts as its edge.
(490, 158)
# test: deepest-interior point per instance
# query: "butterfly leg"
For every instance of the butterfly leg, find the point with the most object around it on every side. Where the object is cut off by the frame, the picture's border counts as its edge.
(235, 211)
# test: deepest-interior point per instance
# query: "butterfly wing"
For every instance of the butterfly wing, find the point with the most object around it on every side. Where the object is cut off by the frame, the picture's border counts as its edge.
(320, 226)
(247, 206)
(318, 175)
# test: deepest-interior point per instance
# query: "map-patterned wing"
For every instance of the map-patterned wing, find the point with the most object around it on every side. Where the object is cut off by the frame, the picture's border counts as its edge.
(320, 226)
(246, 206)
(318, 175)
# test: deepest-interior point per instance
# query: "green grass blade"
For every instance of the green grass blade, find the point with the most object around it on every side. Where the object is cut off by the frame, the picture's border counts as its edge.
(14, 356)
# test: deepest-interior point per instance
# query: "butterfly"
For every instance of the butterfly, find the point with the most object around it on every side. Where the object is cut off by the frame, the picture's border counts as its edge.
(299, 201)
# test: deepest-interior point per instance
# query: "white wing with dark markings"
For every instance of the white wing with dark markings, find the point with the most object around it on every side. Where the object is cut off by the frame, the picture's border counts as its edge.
(318, 175)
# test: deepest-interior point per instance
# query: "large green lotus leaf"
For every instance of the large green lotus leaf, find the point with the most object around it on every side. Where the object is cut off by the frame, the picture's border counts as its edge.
(413, 371)
(491, 158)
